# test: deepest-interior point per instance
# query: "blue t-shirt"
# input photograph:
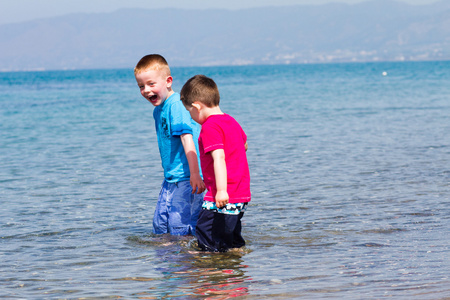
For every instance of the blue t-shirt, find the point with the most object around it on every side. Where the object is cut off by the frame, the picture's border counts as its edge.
(171, 121)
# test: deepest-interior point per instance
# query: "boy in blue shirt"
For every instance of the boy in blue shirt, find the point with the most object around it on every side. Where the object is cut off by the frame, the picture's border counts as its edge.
(180, 199)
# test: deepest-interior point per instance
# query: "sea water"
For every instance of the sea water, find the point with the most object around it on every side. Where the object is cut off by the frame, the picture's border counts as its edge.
(350, 168)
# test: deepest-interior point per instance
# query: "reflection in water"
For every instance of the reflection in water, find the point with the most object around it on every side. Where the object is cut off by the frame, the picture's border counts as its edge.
(187, 272)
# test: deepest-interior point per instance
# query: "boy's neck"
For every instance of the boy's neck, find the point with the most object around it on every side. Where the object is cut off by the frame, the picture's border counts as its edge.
(170, 93)
(210, 111)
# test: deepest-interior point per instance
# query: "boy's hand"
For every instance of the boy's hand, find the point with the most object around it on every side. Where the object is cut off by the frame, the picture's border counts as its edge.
(197, 183)
(221, 198)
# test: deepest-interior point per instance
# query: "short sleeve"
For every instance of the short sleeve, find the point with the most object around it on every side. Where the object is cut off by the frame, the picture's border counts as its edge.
(212, 138)
(180, 119)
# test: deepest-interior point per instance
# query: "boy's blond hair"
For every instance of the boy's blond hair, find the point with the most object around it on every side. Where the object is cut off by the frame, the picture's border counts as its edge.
(152, 62)
(202, 89)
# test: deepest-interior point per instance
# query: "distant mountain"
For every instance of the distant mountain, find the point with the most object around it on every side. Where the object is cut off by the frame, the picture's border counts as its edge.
(378, 30)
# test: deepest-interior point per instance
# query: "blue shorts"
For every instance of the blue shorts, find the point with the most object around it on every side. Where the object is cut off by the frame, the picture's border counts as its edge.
(177, 209)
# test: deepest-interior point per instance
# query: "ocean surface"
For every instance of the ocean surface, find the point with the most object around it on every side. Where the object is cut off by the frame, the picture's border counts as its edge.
(350, 167)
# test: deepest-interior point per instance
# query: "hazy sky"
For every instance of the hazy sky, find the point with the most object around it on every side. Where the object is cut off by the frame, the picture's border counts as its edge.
(12, 11)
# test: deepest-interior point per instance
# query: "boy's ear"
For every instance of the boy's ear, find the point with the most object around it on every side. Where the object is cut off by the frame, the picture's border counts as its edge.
(169, 81)
(197, 105)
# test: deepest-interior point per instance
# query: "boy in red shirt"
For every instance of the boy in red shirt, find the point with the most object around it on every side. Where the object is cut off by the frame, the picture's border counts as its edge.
(223, 146)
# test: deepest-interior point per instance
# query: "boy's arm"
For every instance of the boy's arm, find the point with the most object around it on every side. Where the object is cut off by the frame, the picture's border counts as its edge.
(191, 155)
(220, 172)
(246, 146)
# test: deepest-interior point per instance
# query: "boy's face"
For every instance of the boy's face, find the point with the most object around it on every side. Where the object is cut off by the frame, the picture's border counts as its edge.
(195, 112)
(154, 85)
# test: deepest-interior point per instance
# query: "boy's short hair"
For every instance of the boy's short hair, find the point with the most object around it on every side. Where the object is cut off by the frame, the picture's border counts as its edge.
(152, 62)
(202, 89)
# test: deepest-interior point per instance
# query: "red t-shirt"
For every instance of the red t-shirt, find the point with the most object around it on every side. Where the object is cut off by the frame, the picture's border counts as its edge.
(223, 132)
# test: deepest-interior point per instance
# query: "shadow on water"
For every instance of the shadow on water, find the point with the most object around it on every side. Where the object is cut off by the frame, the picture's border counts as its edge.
(187, 273)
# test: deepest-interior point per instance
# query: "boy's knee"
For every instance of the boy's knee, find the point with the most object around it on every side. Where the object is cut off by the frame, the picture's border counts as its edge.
(180, 230)
(159, 228)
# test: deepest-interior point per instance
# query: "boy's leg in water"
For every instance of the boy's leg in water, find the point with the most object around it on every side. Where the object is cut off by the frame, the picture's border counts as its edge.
(184, 209)
(161, 215)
